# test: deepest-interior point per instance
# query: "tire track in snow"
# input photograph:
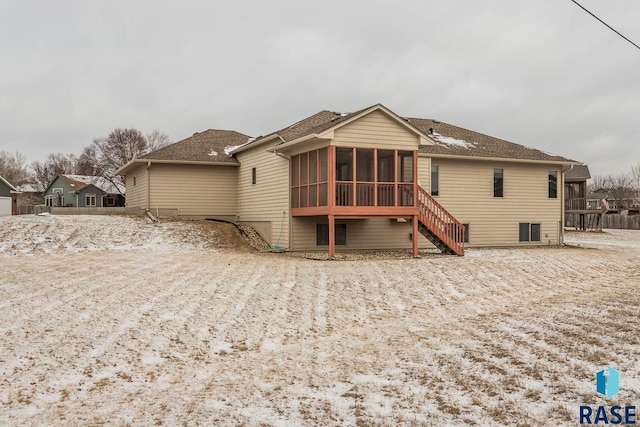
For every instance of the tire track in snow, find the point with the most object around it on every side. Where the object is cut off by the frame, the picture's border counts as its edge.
(128, 317)
(182, 337)
(227, 322)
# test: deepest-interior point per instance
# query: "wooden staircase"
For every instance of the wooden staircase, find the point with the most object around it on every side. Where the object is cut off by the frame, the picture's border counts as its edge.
(439, 226)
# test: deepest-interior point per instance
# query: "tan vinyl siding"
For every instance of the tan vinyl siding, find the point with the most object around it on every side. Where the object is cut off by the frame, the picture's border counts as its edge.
(268, 199)
(307, 146)
(137, 194)
(373, 233)
(424, 173)
(194, 190)
(466, 190)
(376, 130)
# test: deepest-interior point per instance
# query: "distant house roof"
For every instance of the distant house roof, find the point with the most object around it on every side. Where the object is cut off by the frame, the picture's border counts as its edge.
(577, 173)
(211, 146)
(8, 184)
(29, 188)
(80, 182)
(448, 140)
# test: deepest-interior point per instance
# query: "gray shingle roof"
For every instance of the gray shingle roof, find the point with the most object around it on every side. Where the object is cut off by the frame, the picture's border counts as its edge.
(450, 140)
(457, 141)
(207, 146)
(577, 173)
(315, 124)
(79, 182)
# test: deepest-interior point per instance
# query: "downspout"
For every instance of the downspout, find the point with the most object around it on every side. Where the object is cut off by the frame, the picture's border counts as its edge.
(561, 228)
(148, 186)
(290, 219)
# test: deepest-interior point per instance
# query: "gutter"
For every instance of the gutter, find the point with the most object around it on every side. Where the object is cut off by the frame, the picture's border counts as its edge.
(120, 170)
(500, 159)
(148, 185)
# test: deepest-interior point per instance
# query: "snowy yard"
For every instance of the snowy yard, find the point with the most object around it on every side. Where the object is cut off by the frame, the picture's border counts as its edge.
(115, 321)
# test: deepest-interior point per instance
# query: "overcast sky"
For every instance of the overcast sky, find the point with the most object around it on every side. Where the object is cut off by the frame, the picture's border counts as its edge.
(541, 73)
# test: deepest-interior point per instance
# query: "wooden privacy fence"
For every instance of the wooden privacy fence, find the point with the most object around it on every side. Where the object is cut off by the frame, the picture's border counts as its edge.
(621, 221)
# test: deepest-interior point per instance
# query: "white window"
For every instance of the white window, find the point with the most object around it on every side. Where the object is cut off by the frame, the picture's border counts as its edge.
(90, 200)
(48, 200)
(58, 197)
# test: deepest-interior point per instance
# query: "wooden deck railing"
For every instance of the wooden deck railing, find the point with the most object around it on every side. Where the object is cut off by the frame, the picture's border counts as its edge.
(389, 194)
(440, 222)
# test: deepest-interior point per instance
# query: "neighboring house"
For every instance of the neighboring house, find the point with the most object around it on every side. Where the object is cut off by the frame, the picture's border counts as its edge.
(29, 196)
(616, 201)
(8, 195)
(368, 180)
(82, 191)
(580, 211)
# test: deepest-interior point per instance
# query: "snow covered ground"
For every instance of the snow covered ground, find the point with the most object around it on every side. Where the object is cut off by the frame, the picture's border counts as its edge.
(110, 320)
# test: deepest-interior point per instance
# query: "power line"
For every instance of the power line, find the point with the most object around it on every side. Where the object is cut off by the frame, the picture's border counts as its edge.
(604, 23)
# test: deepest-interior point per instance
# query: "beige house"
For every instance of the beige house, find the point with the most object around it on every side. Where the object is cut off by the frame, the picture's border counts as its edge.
(192, 178)
(364, 180)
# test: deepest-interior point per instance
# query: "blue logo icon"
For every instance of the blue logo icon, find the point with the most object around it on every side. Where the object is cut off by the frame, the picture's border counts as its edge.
(608, 382)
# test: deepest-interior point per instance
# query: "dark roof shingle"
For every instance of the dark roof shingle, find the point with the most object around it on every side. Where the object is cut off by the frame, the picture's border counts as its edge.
(577, 173)
(319, 122)
(449, 139)
(207, 146)
(457, 141)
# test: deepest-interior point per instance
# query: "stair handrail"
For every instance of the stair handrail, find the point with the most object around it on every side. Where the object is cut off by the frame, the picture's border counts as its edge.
(437, 219)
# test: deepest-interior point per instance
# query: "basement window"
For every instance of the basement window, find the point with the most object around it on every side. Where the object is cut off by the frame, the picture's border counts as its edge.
(529, 232)
(322, 234)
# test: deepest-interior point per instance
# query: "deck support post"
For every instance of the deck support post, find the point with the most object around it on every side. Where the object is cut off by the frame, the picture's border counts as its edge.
(332, 236)
(414, 236)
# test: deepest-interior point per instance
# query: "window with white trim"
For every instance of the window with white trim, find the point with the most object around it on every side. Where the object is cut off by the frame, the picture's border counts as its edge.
(90, 200)
(58, 197)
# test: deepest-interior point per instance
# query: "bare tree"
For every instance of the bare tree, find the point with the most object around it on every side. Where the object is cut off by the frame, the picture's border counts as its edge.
(598, 182)
(56, 164)
(635, 172)
(105, 155)
(157, 139)
(621, 190)
(89, 161)
(13, 167)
